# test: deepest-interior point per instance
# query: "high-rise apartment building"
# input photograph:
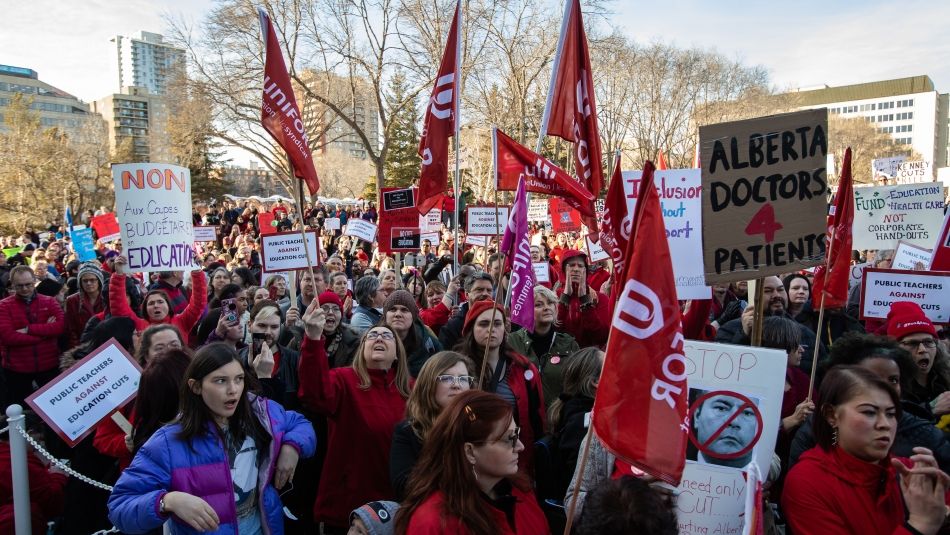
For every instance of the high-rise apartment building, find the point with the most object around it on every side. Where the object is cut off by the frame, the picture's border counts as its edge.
(253, 180)
(55, 107)
(139, 116)
(147, 61)
(355, 99)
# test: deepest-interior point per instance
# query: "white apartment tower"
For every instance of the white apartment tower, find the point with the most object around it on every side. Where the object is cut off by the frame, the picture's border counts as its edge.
(147, 61)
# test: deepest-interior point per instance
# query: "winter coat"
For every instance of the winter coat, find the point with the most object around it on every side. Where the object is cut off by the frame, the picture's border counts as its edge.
(428, 346)
(78, 312)
(185, 321)
(429, 518)
(360, 422)
(285, 376)
(46, 492)
(405, 452)
(550, 361)
(175, 294)
(200, 467)
(524, 380)
(731, 333)
(570, 435)
(345, 349)
(833, 492)
(451, 332)
(836, 323)
(37, 350)
(436, 317)
(364, 318)
(586, 318)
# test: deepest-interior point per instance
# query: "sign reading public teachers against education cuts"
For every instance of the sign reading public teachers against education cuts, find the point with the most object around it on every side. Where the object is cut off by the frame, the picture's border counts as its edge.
(765, 195)
(929, 289)
(735, 396)
(78, 399)
(885, 215)
(485, 221)
(284, 251)
(153, 203)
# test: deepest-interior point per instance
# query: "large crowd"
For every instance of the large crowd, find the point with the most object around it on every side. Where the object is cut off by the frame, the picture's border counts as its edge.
(392, 394)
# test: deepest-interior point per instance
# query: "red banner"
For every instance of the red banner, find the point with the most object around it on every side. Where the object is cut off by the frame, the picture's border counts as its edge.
(564, 218)
(838, 264)
(280, 115)
(940, 261)
(615, 231)
(644, 372)
(106, 226)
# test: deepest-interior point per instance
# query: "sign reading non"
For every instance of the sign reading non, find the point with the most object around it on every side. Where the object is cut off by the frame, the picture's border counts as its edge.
(485, 220)
(78, 399)
(885, 215)
(764, 195)
(284, 251)
(398, 198)
(361, 229)
(929, 289)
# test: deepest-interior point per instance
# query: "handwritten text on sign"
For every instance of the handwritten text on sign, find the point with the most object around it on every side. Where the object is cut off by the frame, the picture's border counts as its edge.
(764, 195)
(929, 289)
(907, 256)
(285, 251)
(153, 202)
(78, 399)
(887, 214)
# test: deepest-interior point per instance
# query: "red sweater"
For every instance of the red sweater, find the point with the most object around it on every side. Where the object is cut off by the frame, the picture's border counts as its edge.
(589, 324)
(428, 518)
(360, 425)
(436, 317)
(36, 350)
(119, 305)
(833, 492)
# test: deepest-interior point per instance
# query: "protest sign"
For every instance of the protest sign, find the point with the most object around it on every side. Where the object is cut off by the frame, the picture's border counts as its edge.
(941, 249)
(538, 210)
(929, 289)
(106, 227)
(564, 218)
(680, 192)
(153, 201)
(399, 211)
(481, 241)
(78, 399)
(83, 244)
(886, 167)
(284, 251)
(908, 256)
(737, 388)
(857, 273)
(764, 196)
(595, 251)
(433, 238)
(331, 223)
(432, 221)
(483, 220)
(266, 222)
(404, 239)
(361, 229)
(884, 215)
(397, 198)
(914, 172)
(541, 271)
(206, 233)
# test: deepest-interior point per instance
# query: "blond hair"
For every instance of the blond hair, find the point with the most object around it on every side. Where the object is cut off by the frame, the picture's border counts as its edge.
(402, 365)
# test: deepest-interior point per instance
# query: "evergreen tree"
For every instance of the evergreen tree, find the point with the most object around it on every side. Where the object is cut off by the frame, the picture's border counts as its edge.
(402, 159)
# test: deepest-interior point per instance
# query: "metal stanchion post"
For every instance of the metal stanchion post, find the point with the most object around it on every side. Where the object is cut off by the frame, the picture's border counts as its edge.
(21, 478)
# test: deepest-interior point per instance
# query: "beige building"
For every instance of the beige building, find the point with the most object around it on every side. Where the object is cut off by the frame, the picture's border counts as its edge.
(333, 132)
(55, 107)
(137, 115)
(253, 180)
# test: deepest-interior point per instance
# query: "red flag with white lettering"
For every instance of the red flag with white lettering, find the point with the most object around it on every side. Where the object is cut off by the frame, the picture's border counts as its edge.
(280, 115)
(615, 230)
(441, 122)
(940, 261)
(838, 265)
(640, 411)
(661, 164)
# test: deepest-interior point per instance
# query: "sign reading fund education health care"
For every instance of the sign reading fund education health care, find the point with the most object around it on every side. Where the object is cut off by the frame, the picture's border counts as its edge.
(765, 195)
(284, 251)
(929, 289)
(153, 203)
(78, 399)
(887, 214)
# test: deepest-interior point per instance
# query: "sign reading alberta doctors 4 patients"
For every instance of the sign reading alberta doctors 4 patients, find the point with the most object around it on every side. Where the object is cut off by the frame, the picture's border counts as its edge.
(284, 251)
(929, 289)
(78, 399)
(484, 221)
(153, 202)
(735, 395)
(764, 195)
(887, 214)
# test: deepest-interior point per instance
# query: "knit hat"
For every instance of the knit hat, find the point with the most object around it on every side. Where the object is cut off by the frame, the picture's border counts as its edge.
(48, 287)
(476, 310)
(378, 517)
(906, 318)
(88, 268)
(569, 254)
(330, 298)
(404, 298)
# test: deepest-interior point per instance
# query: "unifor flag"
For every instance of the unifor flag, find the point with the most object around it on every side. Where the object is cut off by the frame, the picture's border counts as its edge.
(940, 260)
(513, 161)
(615, 230)
(441, 122)
(640, 412)
(280, 114)
(832, 277)
(571, 112)
(516, 246)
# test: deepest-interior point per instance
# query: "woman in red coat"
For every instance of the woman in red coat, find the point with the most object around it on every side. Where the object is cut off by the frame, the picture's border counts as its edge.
(583, 311)
(848, 483)
(362, 403)
(466, 481)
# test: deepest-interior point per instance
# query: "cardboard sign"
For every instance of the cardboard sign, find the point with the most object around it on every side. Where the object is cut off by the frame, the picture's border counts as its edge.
(564, 218)
(741, 386)
(680, 192)
(886, 166)
(481, 241)
(764, 195)
(395, 199)
(857, 274)
(538, 210)
(885, 215)
(483, 220)
(361, 229)
(907, 256)
(284, 251)
(206, 233)
(81, 397)
(882, 287)
(331, 223)
(83, 244)
(595, 252)
(542, 271)
(914, 172)
(106, 227)
(153, 201)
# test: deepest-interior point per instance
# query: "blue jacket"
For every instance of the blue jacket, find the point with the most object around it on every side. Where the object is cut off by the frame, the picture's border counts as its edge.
(200, 468)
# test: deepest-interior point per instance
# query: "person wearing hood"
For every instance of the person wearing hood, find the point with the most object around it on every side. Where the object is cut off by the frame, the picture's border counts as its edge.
(837, 322)
(907, 323)
(342, 341)
(401, 313)
(583, 311)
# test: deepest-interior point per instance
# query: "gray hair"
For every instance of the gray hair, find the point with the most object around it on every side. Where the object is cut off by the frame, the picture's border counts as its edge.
(364, 289)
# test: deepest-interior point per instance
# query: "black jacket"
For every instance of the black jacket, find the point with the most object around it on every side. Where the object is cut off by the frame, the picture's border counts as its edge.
(731, 333)
(286, 375)
(836, 324)
(570, 434)
(451, 332)
(403, 454)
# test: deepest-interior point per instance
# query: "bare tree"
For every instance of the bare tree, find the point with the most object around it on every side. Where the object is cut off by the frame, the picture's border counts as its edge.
(866, 142)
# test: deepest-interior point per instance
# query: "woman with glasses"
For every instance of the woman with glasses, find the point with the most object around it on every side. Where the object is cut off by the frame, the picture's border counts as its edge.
(443, 377)
(908, 324)
(467, 480)
(363, 403)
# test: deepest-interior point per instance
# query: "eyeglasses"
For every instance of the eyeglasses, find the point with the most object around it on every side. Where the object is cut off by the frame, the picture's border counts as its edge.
(929, 343)
(376, 335)
(462, 381)
(511, 439)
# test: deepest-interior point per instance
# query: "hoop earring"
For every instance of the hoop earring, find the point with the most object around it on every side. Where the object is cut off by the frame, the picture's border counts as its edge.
(834, 437)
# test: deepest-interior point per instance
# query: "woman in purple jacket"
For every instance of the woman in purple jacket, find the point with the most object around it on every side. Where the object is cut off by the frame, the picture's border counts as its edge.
(216, 467)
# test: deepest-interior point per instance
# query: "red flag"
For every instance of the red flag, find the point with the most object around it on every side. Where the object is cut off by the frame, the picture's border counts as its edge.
(615, 231)
(940, 261)
(696, 163)
(644, 372)
(441, 122)
(838, 265)
(661, 162)
(512, 160)
(280, 115)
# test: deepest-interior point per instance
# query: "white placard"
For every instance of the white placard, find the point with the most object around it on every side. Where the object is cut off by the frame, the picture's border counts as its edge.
(361, 229)
(433, 238)
(857, 273)
(331, 223)
(886, 166)
(542, 271)
(680, 192)
(907, 256)
(538, 210)
(205, 233)
(929, 289)
(595, 251)
(885, 215)
(78, 399)
(914, 172)
(482, 220)
(431, 222)
(481, 241)
(153, 205)
(729, 380)
(284, 251)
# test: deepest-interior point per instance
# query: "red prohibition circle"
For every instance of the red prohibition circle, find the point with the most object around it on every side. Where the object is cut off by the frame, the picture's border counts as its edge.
(746, 403)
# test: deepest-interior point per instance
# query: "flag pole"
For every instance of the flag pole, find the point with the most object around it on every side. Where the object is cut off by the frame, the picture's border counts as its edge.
(303, 231)
(821, 316)
(494, 309)
(458, 108)
(572, 507)
(554, 69)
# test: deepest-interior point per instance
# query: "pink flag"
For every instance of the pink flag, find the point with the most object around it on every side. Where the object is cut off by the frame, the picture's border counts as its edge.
(516, 245)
